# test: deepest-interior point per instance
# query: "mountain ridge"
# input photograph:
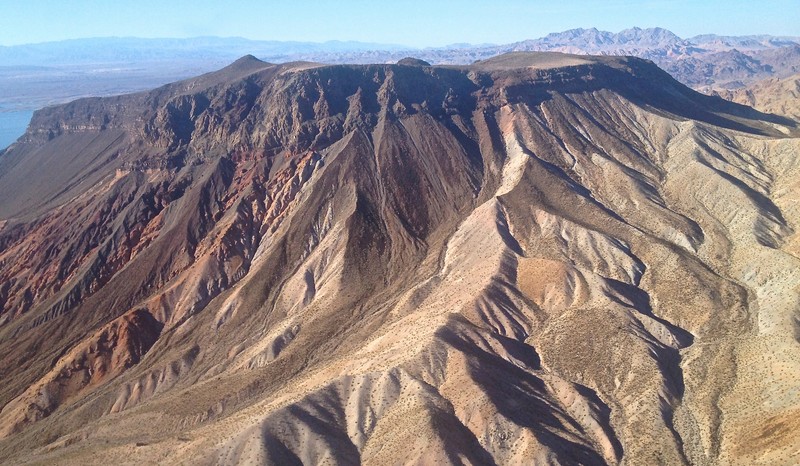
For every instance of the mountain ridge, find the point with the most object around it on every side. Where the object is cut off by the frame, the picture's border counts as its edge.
(62, 72)
(537, 257)
(655, 37)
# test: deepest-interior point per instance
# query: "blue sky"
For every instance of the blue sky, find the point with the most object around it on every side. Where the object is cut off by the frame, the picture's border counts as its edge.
(409, 22)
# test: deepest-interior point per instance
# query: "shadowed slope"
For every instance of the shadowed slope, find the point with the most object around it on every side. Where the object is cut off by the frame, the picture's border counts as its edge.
(538, 258)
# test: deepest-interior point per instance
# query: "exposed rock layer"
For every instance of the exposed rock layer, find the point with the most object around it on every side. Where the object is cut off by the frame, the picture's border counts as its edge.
(778, 96)
(538, 258)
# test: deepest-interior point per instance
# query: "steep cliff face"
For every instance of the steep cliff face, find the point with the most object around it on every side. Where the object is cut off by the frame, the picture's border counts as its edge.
(538, 257)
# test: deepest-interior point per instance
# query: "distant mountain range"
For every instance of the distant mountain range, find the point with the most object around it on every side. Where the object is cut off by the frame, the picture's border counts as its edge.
(126, 50)
(42, 74)
(703, 62)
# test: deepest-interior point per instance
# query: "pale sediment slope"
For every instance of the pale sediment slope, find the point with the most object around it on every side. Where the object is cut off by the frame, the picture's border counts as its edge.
(538, 259)
(771, 95)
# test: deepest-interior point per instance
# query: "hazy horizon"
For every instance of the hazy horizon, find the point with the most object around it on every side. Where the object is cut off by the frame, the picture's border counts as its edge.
(398, 46)
(412, 23)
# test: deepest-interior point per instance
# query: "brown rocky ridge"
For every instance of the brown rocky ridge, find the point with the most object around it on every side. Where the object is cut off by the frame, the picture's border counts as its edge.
(779, 96)
(538, 258)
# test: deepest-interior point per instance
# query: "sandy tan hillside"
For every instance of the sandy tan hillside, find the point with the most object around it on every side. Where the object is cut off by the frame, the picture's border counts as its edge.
(780, 96)
(536, 259)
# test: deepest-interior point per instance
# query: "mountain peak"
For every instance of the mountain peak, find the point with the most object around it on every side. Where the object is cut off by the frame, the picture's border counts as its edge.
(484, 262)
(248, 59)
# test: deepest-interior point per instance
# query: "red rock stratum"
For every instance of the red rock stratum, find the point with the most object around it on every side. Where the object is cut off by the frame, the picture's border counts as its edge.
(539, 258)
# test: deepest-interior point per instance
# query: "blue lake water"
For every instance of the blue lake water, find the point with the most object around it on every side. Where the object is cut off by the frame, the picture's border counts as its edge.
(13, 125)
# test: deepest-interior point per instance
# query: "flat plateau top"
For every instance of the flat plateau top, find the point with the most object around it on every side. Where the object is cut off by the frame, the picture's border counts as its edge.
(504, 62)
(536, 60)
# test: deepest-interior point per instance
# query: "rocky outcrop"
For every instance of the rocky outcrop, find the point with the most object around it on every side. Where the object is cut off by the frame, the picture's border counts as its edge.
(778, 96)
(535, 258)
(98, 358)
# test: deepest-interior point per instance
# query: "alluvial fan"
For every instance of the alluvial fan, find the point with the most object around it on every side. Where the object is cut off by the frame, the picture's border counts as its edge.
(539, 258)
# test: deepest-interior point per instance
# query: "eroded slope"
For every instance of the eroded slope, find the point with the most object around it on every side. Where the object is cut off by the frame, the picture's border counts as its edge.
(539, 258)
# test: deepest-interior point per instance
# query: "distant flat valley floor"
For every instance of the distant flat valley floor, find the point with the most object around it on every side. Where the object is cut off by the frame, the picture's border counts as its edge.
(27, 88)
(12, 126)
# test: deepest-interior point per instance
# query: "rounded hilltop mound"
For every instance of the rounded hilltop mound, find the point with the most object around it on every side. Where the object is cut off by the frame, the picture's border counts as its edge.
(541, 60)
(411, 61)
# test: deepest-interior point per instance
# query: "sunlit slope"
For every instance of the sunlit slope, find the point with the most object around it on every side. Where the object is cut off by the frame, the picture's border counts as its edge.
(539, 258)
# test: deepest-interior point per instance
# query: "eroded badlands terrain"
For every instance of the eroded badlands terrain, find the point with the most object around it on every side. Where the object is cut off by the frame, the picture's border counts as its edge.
(539, 258)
